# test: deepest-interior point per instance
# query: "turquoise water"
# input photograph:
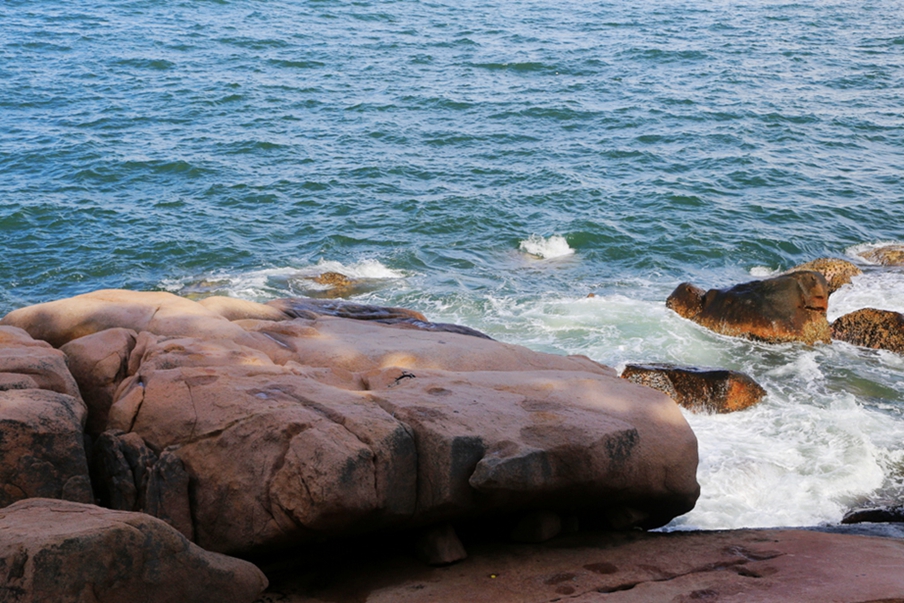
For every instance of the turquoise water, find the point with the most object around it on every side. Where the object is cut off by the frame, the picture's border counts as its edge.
(490, 163)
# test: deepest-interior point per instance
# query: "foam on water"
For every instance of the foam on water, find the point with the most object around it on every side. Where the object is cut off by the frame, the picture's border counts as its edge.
(546, 248)
(881, 289)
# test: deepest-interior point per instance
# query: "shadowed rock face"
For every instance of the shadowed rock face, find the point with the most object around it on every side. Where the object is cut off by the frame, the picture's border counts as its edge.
(65, 552)
(785, 308)
(42, 450)
(292, 431)
(836, 271)
(871, 328)
(698, 389)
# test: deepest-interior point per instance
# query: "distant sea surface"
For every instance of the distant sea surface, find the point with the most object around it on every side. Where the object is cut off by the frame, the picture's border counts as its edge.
(490, 163)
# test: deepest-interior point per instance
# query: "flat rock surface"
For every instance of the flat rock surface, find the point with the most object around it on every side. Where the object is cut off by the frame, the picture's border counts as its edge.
(743, 566)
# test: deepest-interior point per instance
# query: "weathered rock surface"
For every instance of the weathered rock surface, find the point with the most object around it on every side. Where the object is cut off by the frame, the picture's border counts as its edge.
(836, 271)
(871, 328)
(298, 430)
(73, 553)
(99, 362)
(790, 307)
(42, 451)
(698, 389)
(742, 566)
(888, 255)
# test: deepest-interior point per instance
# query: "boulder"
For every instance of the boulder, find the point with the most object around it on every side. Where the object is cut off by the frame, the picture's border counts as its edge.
(887, 255)
(42, 451)
(72, 553)
(699, 389)
(882, 514)
(871, 328)
(732, 566)
(99, 362)
(294, 431)
(59, 322)
(836, 271)
(790, 307)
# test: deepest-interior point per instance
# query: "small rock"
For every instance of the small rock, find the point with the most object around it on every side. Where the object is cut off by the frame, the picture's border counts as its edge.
(712, 390)
(871, 328)
(333, 279)
(837, 272)
(888, 255)
(538, 526)
(890, 514)
(440, 545)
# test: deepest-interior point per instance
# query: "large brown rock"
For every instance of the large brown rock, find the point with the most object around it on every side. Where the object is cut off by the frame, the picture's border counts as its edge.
(871, 328)
(738, 566)
(836, 271)
(698, 389)
(41, 420)
(74, 553)
(790, 307)
(887, 255)
(297, 430)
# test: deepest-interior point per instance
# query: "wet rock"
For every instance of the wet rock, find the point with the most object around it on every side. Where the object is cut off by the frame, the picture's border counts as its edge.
(699, 389)
(439, 545)
(790, 307)
(70, 553)
(99, 362)
(42, 450)
(836, 271)
(871, 328)
(888, 255)
(884, 514)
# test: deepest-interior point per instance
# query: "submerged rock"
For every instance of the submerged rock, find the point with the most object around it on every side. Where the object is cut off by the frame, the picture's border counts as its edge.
(871, 328)
(67, 552)
(836, 271)
(712, 390)
(790, 307)
(886, 514)
(888, 255)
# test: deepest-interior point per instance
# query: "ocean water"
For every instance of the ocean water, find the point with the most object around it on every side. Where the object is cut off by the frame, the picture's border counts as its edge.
(490, 163)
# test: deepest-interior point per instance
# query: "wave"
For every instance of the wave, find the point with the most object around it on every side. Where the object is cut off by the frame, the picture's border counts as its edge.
(553, 247)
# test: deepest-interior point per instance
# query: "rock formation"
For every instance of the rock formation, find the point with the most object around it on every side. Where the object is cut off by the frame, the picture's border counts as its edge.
(698, 389)
(836, 271)
(887, 255)
(871, 328)
(790, 307)
(294, 424)
(42, 419)
(66, 552)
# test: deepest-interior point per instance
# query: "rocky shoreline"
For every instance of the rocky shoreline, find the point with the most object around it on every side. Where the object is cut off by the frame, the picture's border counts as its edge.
(282, 433)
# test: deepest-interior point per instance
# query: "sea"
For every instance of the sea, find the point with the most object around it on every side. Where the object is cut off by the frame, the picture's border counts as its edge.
(544, 171)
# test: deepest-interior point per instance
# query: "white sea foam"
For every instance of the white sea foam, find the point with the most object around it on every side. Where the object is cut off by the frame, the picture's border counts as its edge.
(763, 271)
(546, 248)
(882, 289)
(269, 283)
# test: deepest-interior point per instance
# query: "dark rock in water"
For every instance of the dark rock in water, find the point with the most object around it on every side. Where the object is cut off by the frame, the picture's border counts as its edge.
(333, 279)
(837, 272)
(713, 390)
(871, 328)
(790, 307)
(891, 514)
(889, 255)
(305, 307)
